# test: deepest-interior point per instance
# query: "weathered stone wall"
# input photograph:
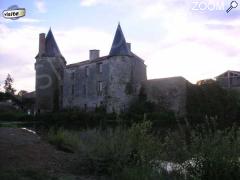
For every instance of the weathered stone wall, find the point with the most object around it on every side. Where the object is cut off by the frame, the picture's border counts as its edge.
(233, 82)
(169, 92)
(126, 75)
(49, 74)
(121, 76)
(85, 93)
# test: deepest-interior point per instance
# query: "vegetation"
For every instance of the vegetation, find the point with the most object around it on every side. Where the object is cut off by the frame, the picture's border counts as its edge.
(64, 140)
(8, 85)
(210, 101)
(14, 115)
(136, 145)
(136, 153)
(26, 175)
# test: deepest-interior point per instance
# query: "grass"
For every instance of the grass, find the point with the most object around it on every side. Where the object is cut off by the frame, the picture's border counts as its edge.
(68, 141)
(25, 175)
(126, 153)
(111, 150)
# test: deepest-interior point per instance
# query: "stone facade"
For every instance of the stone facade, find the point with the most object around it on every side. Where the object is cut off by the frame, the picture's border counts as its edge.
(113, 81)
(169, 92)
(49, 67)
(229, 79)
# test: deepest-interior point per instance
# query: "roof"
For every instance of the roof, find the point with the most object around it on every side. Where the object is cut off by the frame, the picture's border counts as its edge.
(119, 45)
(30, 95)
(52, 49)
(229, 71)
(87, 62)
(167, 79)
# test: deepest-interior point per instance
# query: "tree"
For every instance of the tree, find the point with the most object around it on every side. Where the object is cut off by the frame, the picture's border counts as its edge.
(8, 85)
(22, 93)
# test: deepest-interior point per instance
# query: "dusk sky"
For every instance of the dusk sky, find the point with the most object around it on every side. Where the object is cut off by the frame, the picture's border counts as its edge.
(195, 39)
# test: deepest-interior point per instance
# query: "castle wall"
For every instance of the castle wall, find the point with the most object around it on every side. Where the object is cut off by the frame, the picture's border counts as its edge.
(81, 89)
(126, 75)
(232, 82)
(49, 73)
(121, 79)
(170, 92)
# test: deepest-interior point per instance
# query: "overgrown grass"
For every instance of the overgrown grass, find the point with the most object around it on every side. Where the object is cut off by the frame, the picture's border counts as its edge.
(14, 116)
(109, 151)
(127, 153)
(64, 140)
(25, 175)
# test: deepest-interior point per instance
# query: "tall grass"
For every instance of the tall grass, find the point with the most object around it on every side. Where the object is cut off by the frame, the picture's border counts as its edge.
(127, 153)
(64, 140)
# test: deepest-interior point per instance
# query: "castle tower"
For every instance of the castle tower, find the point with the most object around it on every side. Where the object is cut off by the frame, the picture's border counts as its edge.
(127, 72)
(49, 66)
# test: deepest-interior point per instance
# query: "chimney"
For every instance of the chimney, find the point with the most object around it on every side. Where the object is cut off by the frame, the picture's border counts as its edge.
(129, 46)
(94, 54)
(41, 44)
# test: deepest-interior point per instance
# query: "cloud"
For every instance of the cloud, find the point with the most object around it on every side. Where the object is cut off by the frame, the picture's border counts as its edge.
(21, 20)
(89, 2)
(41, 6)
(18, 56)
(191, 45)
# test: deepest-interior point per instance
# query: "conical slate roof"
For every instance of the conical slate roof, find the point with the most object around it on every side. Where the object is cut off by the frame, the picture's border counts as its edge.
(119, 45)
(52, 49)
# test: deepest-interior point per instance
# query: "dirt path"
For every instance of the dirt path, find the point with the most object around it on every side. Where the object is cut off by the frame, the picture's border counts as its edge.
(22, 149)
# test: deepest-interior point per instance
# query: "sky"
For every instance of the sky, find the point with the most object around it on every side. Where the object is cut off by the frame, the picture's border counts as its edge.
(195, 39)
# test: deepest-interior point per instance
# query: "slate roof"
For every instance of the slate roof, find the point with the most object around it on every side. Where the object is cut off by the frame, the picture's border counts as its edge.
(87, 62)
(229, 71)
(119, 45)
(52, 49)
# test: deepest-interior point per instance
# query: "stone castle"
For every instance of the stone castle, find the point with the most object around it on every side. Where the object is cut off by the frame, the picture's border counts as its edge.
(113, 81)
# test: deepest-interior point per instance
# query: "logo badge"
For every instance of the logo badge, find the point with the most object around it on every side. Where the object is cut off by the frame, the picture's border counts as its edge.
(14, 12)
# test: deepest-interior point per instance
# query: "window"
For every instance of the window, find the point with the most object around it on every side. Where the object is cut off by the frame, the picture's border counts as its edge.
(72, 90)
(86, 71)
(85, 107)
(84, 90)
(72, 75)
(100, 87)
(61, 90)
(99, 68)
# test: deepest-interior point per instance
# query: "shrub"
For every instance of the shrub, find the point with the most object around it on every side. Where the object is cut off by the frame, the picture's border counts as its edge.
(111, 150)
(14, 116)
(210, 100)
(25, 174)
(138, 173)
(204, 153)
(216, 155)
(64, 140)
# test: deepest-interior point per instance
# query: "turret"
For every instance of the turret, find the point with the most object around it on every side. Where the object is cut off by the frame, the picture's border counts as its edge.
(49, 66)
(119, 45)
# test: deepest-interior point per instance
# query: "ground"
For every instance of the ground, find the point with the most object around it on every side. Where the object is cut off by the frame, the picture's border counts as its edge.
(21, 149)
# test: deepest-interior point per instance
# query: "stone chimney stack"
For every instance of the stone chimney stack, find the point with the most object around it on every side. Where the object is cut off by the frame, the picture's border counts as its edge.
(94, 54)
(42, 48)
(129, 46)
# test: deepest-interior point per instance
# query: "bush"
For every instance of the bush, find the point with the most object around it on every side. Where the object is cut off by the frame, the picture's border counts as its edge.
(64, 140)
(138, 173)
(216, 155)
(204, 153)
(212, 101)
(14, 116)
(25, 175)
(111, 150)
